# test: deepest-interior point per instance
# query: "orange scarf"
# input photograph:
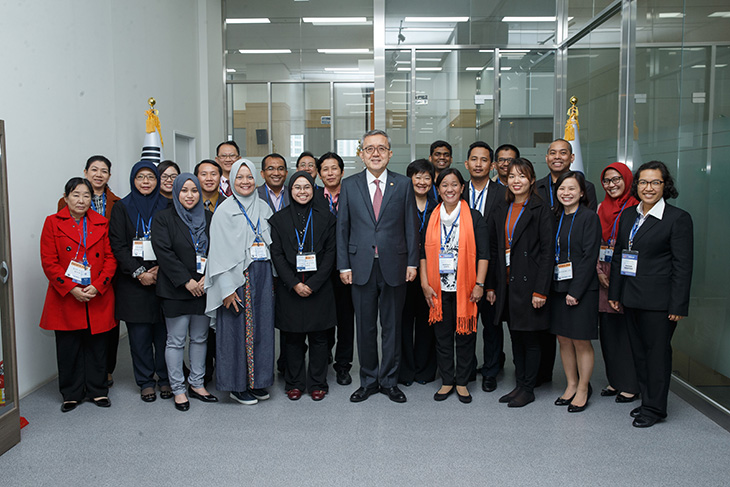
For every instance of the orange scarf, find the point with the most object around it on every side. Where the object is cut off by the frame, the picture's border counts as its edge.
(466, 275)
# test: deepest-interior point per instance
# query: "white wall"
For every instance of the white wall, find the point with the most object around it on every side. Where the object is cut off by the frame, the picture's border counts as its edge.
(76, 78)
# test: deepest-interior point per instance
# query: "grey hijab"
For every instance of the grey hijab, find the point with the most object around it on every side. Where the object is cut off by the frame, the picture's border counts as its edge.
(231, 238)
(194, 218)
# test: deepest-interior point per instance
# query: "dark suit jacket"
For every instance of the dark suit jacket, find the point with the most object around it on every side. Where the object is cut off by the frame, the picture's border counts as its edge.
(495, 195)
(664, 271)
(395, 233)
(532, 257)
(543, 189)
(264, 195)
(585, 242)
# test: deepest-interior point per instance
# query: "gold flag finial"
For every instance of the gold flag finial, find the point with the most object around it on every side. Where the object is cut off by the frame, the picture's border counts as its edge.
(151, 101)
(153, 121)
(572, 119)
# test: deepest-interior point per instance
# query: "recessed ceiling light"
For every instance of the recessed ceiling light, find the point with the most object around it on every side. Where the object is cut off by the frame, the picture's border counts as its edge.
(528, 19)
(432, 59)
(344, 51)
(505, 68)
(507, 51)
(671, 15)
(248, 21)
(437, 19)
(230, 70)
(265, 51)
(474, 68)
(725, 15)
(335, 20)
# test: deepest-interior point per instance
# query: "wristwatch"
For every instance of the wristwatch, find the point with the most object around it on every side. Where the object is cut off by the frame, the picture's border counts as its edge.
(480, 284)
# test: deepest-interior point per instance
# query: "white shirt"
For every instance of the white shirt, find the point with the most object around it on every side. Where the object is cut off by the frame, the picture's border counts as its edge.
(371, 186)
(474, 196)
(225, 184)
(657, 211)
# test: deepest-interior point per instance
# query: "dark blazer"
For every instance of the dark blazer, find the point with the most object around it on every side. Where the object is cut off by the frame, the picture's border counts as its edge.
(531, 264)
(176, 256)
(135, 303)
(495, 195)
(481, 236)
(316, 312)
(664, 271)
(543, 189)
(585, 242)
(264, 195)
(395, 233)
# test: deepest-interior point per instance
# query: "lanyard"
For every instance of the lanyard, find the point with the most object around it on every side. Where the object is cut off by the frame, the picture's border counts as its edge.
(557, 236)
(435, 193)
(612, 238)
(273, 203)
(103, 205)
(476, 203)
(300, 243)
(448, 235)
(635, 228)
(550, 190)
(511, 228)
(499, 181)
(145, 229)
(422, 217)
(250, 223)
(195, 241)
(83, 239)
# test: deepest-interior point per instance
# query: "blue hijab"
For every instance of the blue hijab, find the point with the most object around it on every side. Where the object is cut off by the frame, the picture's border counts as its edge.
(139, 206)
(194, 218)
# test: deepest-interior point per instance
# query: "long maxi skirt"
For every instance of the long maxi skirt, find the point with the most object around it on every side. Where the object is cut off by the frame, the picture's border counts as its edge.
(245, 342)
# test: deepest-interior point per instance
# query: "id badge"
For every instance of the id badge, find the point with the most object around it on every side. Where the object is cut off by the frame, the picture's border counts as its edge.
(258, 251)
(307, 262)
(137, 248)
(149, 253)
(564, 271)
(79, 273)
(605, 254)
(200, 261)
(447, 263)
(506, 256)
(629, 263)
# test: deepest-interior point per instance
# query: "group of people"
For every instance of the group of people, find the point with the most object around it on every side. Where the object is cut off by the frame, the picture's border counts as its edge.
(221, 259)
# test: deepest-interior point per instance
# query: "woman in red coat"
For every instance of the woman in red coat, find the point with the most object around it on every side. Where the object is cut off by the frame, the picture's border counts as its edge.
(78, 262)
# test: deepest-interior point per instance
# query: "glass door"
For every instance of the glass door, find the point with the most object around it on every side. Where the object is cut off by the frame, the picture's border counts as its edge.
(9, 412)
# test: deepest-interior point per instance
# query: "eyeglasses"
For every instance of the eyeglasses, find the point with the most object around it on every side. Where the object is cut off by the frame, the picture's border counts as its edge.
(275, 169)
(654, 184)
(298, 187)
(168, 177)
(228, 156)
(505, 160)
(306, 164)
(370, 150)
(146, 177)
(614, 180)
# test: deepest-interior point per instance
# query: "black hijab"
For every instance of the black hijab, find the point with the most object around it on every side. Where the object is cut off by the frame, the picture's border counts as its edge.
(142, 206)
(300, 212)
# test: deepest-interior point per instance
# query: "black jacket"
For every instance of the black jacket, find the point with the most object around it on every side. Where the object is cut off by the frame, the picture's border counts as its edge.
(585, 242)
(544, 185)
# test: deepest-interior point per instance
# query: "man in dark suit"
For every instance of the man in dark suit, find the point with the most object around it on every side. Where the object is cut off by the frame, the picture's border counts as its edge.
(559, 157)
(274, 191)
(483, 195)
(377, 252)
(226, 154)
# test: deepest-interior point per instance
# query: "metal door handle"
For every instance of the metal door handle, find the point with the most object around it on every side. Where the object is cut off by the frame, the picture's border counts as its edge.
(5, 272)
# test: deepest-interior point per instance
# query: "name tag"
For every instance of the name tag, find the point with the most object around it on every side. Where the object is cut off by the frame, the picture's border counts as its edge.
(307, 262)
(564, 271)
(605, 254)
(447, 263)
(629, 263)
(506, 256)
(258, 251)
(79, 273)
(143, 248)
(200, 262)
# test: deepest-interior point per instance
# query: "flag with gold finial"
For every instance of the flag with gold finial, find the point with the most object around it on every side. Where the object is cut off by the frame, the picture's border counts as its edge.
(152, 146)
(572, 135)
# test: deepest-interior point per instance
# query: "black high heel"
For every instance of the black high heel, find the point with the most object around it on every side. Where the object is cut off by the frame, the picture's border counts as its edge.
(563, 402)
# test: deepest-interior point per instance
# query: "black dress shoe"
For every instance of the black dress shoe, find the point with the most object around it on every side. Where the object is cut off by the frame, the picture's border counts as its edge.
(572, 408)
(102, 402)
(148, 394)
(394, 394)
(166, 392)
(363, 393)
(204, 398)
(464, 399)
(442, 396)
(642, 421)
(523, 398)
(343, 377)
(606, 392)
(489, 384)
(68, 406)
(564, 402)
(182, 406)
(620, 398)
(509, 396)
(636, 412)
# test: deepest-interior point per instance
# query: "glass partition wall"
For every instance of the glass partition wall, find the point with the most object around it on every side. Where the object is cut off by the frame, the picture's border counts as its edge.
(652, 80)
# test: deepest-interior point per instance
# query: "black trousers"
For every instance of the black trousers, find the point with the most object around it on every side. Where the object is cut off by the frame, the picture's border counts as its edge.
(650, 335)
(210, 357)
(345, 329)
(147, 344)
(374, 298)
(446, 339)
(620, 368)
(547, 356)
(81, 359)
(418, 343)
(112, 346)
(493, 336)
(296, 375)
(526, 356)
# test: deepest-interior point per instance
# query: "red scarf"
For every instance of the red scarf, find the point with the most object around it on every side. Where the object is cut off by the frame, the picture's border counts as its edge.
(466, 275)
(610, 208)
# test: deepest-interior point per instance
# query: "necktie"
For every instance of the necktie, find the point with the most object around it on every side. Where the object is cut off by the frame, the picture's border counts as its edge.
(377, 199)
(207, 205)
(228, 191)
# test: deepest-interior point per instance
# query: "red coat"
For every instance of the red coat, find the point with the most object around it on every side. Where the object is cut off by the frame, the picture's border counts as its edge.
(59, 240)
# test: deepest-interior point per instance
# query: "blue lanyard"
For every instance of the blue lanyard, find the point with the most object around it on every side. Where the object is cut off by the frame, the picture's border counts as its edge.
(635, 229)
(435, 193)
(550, 189)
(83, 239)
(250, 223)
(476, 203)
(300, 243)
(103, 205)
(145, 230)
(511, 231)
(612, 238)
(448, 235)
(422, 217)
(499, 181)
(195, 242)
(557, 236)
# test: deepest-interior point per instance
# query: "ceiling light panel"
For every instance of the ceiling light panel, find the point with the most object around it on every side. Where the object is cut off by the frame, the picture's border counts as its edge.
(248, 21)
(265, 51)
(440, 20)
(335, 20)
(343, 51)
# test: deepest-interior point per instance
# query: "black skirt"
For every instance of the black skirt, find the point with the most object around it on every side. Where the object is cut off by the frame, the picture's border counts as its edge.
(578, 322)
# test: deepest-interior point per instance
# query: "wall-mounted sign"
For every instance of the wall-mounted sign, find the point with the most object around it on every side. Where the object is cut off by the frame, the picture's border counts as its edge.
(325, 119)
(421, 99)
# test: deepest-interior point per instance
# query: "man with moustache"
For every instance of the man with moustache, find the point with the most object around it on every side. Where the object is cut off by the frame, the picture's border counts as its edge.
(274, 191)
(226, 154)
(504, 154)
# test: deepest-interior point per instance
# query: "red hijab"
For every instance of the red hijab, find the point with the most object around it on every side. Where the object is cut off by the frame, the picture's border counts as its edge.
(610, 208)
